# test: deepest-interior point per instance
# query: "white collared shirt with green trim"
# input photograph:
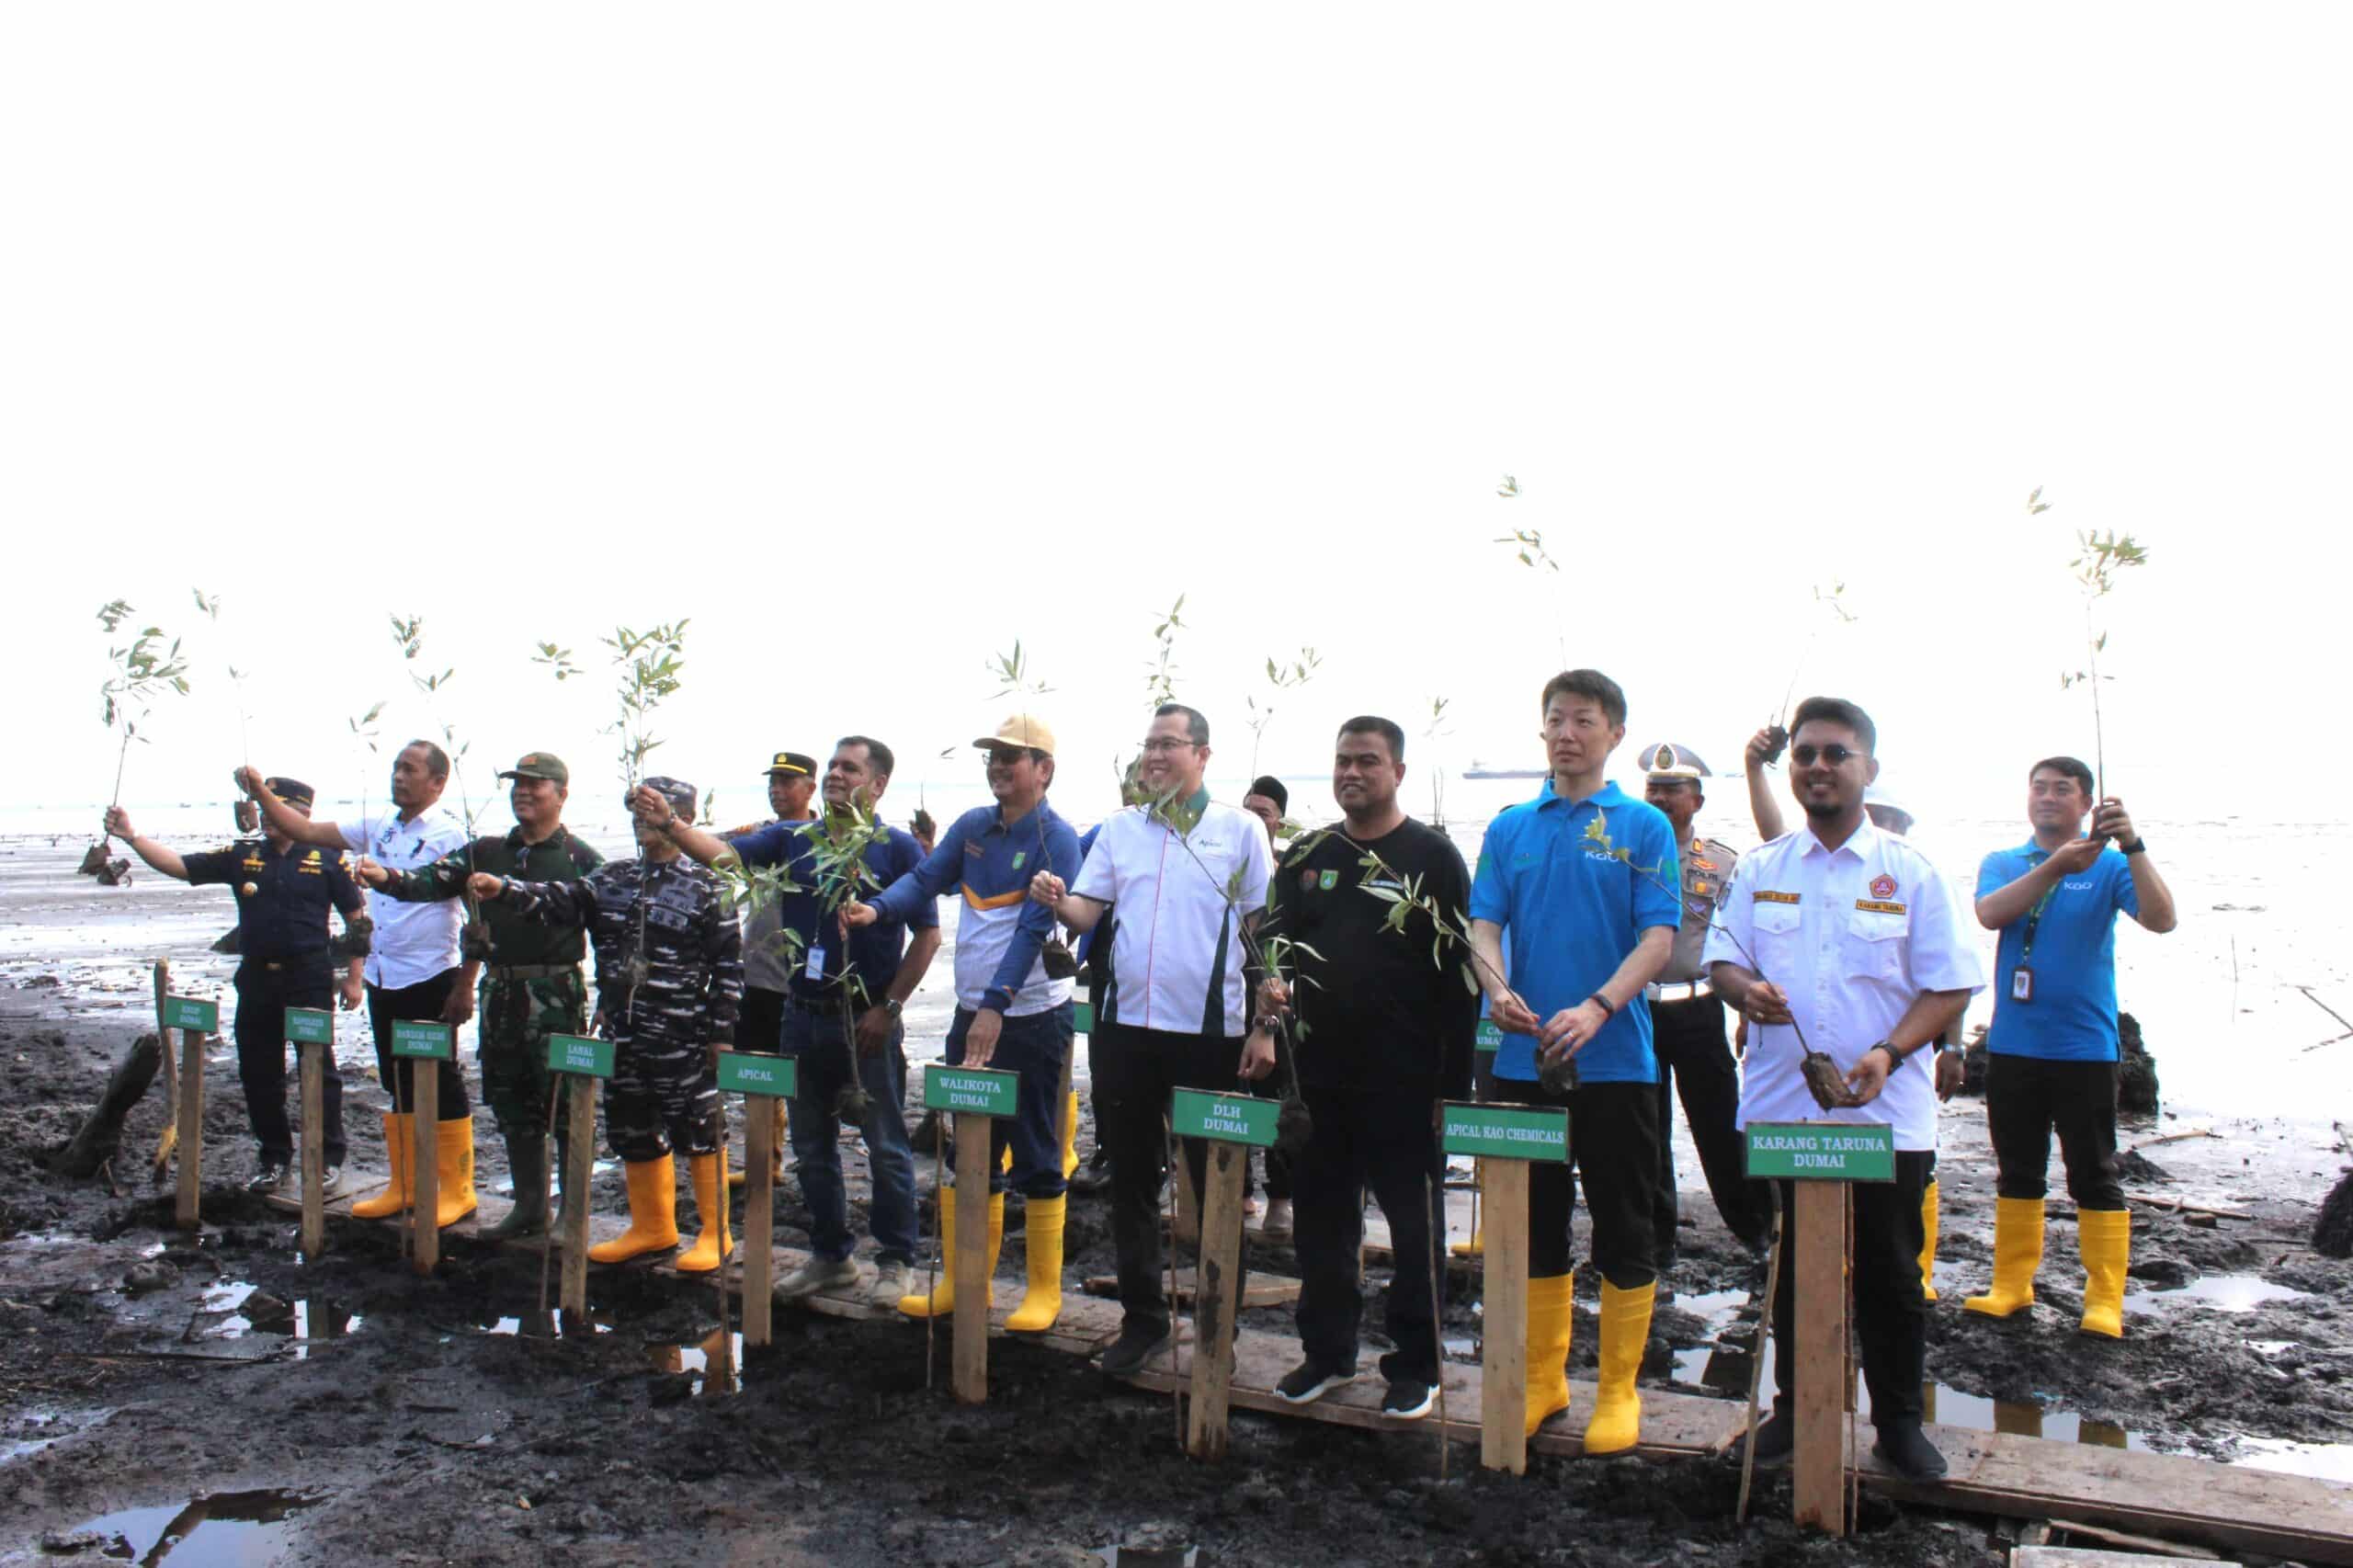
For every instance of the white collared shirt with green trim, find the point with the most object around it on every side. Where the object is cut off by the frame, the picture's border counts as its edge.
(1176, 948)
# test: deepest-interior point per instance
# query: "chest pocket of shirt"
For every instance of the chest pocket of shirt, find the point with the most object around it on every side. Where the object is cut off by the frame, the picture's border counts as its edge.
(1777, 927)
(1873, 947)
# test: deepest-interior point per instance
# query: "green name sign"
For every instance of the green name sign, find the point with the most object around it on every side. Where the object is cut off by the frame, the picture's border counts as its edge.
(741, 1073)
(1081, 1017)
(578, 1053)
(429, 1042)
(1504, 1132)
(977, 1091)
(1821, 1151)
(1229, 1119)
(1490, 1036)
(187, 1012)
(310, 1025)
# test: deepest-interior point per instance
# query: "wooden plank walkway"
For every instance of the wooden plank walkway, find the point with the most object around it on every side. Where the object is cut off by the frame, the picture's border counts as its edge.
(2222, 1506)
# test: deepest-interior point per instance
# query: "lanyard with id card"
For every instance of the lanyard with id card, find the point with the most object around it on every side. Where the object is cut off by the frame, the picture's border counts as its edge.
(2023, 977)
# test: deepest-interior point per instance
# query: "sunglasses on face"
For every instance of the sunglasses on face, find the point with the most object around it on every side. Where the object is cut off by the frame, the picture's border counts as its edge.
(1833, 755)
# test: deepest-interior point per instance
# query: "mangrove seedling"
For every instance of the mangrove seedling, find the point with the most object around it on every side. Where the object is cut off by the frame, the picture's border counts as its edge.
(408, 636)
(2099, 559)
(1831, 601)
(1283, 677)
(1509, 488)
(144, 669)
(1160, 676)
(647, 665)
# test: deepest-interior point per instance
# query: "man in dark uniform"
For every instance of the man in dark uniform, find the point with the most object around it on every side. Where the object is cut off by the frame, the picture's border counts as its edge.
(531, 984)
(285, 960)
(669, 978)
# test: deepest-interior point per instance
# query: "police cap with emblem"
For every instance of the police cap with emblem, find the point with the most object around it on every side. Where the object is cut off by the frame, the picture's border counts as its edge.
(1672, 762)
(540, 765)
(793, 764)
(293, 791)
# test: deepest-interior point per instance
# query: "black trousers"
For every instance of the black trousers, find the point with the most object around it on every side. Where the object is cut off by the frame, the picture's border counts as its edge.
(2025, 1098)
(1891, 1314)
(422, 1001)
(759, 1021)
(263, 995)
(1695, 1062)
(1367, 1138)
(1613, 1139)
(1134, 1071)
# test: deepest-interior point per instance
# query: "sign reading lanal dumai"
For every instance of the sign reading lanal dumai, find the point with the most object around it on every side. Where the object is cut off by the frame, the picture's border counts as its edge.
(310, 1025)
(1504, 1132)
(1821, 1151)
(187, 1012)
(579, 1053)
(743, 1072)
(975, 1091)
(1229, 1119)
(427, 1041)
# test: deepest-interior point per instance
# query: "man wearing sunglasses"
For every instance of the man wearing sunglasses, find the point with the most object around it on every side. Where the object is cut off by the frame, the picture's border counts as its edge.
(1188, 875)
(1842, 938)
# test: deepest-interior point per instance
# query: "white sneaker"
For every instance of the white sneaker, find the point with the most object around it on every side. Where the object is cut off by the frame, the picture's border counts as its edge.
(817, 1274)
(893, 1282)
(331, 1182)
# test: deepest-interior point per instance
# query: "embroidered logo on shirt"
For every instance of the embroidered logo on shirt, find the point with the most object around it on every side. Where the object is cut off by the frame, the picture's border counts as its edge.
(1328, 880)
(1019, 855)
(1766, 895)
(1879, 906)
(1882, 886)
(1307, 881)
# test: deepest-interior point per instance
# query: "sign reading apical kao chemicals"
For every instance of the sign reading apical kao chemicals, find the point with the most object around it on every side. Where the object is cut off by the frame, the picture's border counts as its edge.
(1082, 1017)
(1504, 1132)
(1490, 1036)
(1229, 1119)
(187, 1012)
(741, 1072)
(578, 1053)
(310, 1025)
(975, 1091)
(426, 1042)
(1821, 1151)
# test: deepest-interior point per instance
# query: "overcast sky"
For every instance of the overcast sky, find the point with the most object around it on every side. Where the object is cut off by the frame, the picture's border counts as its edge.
(874, 338)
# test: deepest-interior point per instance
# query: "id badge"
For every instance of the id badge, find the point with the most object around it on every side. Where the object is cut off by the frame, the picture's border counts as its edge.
(2021, 985)
(815, 968)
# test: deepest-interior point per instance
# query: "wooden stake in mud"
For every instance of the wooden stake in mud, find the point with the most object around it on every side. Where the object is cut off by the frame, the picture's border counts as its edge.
(582, 1061)
(1505, 1139)
(312, 1029)
(763, 1080)
(167, 1139)
(1233, 1124)
(1822, 1158)
(1186, 1226)
(423, 1046)
(1765, 1332)
(975, 1096)
(195, 1020)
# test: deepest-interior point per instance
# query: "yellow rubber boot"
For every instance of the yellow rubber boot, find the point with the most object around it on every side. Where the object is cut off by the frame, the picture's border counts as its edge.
(1477, 1245)
(1928, 1242)
(713, 1244)
(2105, 1237)
(943, 1300)
(1551, 1323)
(2017, 1253)
(653, 1213)
(1070, 1137)
(453, 1164)
(1043, 1242)
(395, 1198)
(1617, 1419)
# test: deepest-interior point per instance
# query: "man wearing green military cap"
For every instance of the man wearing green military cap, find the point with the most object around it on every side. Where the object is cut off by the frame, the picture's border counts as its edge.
(531, 985)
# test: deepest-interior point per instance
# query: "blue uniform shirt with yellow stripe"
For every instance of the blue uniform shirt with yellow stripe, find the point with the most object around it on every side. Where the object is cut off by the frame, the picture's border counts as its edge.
(284, 917)
(999, 934)
(1575, 884)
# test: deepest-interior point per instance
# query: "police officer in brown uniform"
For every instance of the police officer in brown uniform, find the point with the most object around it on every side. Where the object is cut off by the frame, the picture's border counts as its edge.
(1688, 1022)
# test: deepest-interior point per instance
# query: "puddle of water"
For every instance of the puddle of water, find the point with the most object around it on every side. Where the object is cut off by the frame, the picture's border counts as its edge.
(305, 1319)
(695, 1360)
(228, 1529)
(2326, 1461)
(553, 1324)
(2223, 1292)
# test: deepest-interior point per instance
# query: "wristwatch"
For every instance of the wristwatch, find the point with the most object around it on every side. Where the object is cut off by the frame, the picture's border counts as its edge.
(2138, 847)
(890, 1006)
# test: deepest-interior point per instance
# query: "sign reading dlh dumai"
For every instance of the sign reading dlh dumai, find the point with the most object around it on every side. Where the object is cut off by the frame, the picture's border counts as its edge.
(1229, 1119)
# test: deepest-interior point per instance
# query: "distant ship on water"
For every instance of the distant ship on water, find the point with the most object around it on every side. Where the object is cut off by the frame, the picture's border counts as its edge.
(1478, 769)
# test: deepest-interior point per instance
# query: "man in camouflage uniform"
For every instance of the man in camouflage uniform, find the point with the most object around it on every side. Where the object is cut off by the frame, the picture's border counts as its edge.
(531, 985)
(669, 980)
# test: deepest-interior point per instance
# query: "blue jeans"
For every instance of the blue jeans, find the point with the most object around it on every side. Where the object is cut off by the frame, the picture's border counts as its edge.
(1034, 1046)
(816, 1039)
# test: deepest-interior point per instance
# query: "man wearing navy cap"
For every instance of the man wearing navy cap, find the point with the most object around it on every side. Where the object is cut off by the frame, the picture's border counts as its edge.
(284, 960)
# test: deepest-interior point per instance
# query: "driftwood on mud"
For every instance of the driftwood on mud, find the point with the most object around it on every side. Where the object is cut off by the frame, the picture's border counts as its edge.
(101, 1132)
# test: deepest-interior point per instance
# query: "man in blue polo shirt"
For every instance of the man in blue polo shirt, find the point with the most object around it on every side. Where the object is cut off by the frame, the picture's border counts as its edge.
(1010, 1014)
(844, 1008)
(2051, 1052)
(1582, 879)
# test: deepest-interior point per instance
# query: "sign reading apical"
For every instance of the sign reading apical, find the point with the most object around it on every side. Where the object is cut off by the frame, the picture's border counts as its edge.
(187, 1012)
(1490, 1036)
(1082, 1017)
(1504, 1132)
(1821, 1151)
(976, 1091)
(578, 1053)
(426, 1042)
(310, 1025)
(741, 1072)
(1229, 1119)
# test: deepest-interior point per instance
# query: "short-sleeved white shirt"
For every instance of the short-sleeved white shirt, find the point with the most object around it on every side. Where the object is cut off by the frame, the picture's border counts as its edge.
(1176, 949)
(414, 942)
(1851, 936)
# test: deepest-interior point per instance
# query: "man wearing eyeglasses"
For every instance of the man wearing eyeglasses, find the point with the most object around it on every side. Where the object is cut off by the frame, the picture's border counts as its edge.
(1842, 938)
(1189, 877)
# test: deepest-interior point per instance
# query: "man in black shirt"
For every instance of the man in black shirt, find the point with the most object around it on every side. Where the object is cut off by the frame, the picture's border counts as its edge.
(284, 960)
(1381, 1024)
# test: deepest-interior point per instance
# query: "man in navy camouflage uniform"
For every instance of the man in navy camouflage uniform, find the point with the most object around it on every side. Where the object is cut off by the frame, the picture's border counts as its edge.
(669, 980)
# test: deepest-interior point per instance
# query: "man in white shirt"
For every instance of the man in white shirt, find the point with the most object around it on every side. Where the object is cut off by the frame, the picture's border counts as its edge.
(414, 969)
(1189, 877)
(1842, 938)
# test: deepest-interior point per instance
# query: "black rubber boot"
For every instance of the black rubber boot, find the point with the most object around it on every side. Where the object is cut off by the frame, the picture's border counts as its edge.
(527, 1161)
(1908, 1452)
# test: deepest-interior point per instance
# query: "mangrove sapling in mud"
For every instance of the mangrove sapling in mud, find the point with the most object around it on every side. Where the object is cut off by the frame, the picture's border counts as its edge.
(143, 669)
(647, 665)
(2100, 558)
